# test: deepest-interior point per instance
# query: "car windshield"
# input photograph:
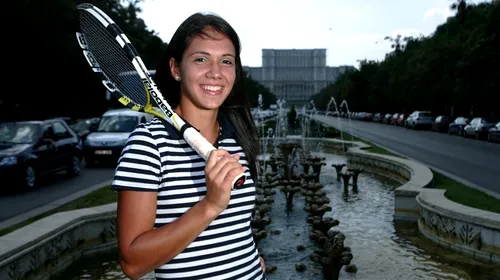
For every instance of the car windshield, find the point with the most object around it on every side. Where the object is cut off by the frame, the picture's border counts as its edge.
(80, 125)
(117, 124)
(18, 133)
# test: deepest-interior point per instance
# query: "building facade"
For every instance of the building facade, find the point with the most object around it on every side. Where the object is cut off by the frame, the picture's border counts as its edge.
(295, 74)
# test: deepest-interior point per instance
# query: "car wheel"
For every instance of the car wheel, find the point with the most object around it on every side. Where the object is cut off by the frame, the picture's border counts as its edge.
(74, 166)
(29, 179)
(489, 137)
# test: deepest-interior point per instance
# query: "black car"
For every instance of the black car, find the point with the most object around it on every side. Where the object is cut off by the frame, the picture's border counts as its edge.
(457, 126)
(32, 148)
(441, 124)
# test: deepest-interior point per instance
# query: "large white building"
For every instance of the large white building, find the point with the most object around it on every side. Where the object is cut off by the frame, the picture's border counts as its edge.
(295, 74)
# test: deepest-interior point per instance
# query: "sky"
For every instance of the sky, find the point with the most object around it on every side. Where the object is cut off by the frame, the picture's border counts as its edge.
(350, 30)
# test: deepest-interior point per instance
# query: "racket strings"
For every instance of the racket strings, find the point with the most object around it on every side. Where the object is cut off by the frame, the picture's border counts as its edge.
(112, 59)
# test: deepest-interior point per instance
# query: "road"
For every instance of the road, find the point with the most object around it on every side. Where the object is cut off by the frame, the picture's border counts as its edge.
(476, 163)
(52, 187)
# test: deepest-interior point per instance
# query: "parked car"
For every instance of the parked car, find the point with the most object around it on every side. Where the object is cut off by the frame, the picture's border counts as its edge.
(478, 128)
(378, 117)
(419, 119)
(457, 126)
(82, 127)
(394, 119)
(30, 149)
(69, 121)
(387, 119)
(441, 124)
(402, 119)
(108, 138)
(494, 133)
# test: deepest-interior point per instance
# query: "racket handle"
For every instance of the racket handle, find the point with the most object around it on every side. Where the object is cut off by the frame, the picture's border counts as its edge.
(204, 148)
(239, 181)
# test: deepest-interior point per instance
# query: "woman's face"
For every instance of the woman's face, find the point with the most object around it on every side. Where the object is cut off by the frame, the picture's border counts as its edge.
(207, 71)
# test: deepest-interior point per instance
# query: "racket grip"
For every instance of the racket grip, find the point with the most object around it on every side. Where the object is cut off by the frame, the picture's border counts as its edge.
(198, 142)
(204, 148)
(239, 181)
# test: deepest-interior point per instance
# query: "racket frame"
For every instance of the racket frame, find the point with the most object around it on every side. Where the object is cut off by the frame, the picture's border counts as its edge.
(192, 136)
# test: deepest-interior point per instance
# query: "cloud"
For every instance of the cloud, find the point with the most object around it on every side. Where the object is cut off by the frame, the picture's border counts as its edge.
(410, 32)
(439, 13)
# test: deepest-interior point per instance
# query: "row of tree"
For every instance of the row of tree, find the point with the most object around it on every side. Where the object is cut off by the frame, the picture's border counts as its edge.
(52, 75)
(453, 71)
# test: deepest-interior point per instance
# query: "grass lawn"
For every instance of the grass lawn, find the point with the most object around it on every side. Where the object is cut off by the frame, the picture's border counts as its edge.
(455, 191)
(98, 197)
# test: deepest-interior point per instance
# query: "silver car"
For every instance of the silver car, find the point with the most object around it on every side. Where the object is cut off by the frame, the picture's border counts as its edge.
(419, 119)
(478, 128)
(107, 140)
(494, 133)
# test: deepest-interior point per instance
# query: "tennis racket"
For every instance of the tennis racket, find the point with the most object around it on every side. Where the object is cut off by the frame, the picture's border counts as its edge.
(115, 60)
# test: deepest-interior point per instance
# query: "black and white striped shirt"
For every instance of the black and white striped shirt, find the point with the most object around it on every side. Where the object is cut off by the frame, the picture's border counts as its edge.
(157, 158)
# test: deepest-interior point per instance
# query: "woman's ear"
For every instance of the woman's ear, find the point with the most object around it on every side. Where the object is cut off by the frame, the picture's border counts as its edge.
(174, 69)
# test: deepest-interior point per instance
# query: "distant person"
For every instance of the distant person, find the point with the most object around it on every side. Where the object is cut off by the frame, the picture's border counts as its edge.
(177, 214)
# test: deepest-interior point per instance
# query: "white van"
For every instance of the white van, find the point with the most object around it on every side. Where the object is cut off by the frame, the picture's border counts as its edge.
(108, 138)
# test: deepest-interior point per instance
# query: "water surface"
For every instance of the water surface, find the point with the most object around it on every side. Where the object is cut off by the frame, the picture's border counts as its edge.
(381, 249)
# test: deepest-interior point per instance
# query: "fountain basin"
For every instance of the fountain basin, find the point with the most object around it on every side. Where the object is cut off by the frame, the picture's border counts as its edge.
(39, 250)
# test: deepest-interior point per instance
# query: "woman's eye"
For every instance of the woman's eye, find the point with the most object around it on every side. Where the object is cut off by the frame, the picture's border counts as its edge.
(200, 59)
(227, 61)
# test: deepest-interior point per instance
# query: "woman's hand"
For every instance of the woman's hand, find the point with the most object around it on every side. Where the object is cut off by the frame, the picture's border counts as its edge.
(262, 264)
(220, 171)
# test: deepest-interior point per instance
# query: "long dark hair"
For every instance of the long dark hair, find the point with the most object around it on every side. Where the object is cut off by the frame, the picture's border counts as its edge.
(236, 107)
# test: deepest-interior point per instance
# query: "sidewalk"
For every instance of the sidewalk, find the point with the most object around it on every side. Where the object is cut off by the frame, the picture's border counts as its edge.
(50, 206)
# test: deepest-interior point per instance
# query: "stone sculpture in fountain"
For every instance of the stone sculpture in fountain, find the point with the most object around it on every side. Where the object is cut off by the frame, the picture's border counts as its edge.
(331, 253)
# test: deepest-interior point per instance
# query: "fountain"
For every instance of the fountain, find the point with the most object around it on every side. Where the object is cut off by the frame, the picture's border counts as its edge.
(261, 159)
(260, 116)
(333, 103)
(295, 230)
(305, 125)
(346, 174)
(344, 103)
(338, 168)
(331, 254)
(281, 122)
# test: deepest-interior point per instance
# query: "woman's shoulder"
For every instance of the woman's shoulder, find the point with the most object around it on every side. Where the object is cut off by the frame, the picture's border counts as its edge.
(154, 129)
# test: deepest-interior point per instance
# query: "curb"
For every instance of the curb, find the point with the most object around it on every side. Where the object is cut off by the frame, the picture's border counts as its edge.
(51, 206)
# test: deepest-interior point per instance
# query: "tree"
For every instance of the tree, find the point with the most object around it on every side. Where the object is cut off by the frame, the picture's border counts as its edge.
(460, 6)
(50, 65)
(447, 72)
(398, 43)
(255, 88)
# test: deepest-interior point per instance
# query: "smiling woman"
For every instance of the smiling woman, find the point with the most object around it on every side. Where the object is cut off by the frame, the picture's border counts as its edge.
(208, 72)
(177, 213)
